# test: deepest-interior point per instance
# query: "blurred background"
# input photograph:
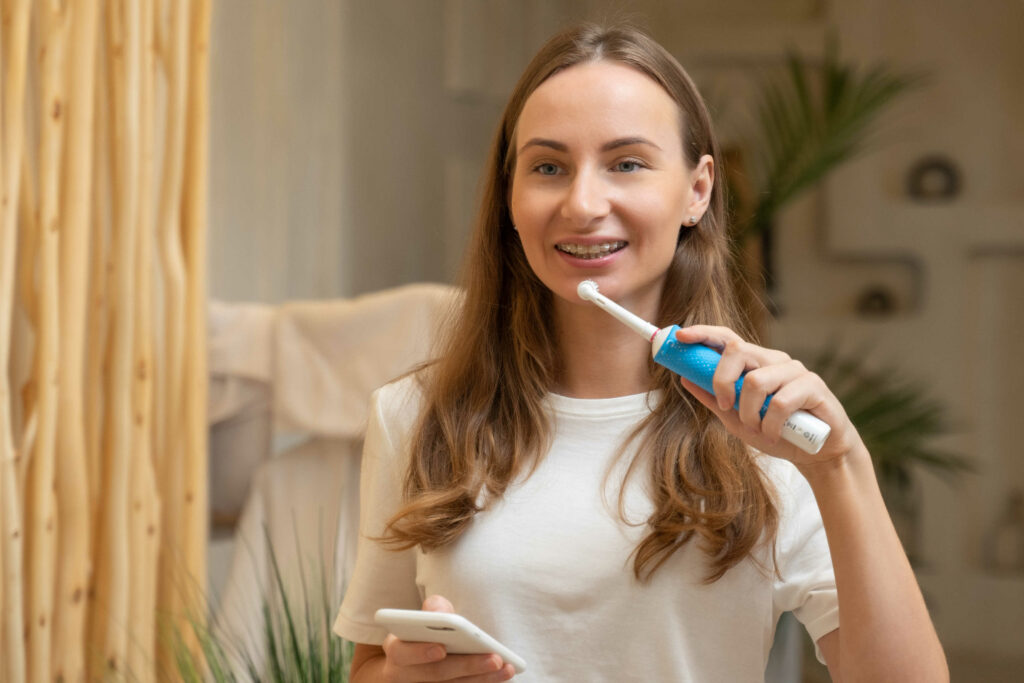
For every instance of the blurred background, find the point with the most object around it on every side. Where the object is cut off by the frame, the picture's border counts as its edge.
(347, 139)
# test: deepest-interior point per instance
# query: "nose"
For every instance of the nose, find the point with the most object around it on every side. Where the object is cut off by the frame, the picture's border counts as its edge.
(586, 199)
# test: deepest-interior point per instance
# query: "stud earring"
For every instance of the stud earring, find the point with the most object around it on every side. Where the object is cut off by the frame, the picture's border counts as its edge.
(693, 220)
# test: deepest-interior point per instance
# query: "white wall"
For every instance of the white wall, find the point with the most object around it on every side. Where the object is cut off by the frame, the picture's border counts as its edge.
(276, 149)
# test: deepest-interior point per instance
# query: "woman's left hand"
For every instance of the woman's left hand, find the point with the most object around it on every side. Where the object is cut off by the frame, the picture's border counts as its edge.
(768, 372)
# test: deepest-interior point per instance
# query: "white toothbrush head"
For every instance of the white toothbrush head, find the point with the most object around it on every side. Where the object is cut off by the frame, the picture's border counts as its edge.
(587, 290)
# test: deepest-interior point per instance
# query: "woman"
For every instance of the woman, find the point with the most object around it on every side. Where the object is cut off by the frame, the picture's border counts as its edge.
(601, 517)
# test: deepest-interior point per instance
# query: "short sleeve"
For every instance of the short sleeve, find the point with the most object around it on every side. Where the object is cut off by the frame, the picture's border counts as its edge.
(807, 586)
(382, 577)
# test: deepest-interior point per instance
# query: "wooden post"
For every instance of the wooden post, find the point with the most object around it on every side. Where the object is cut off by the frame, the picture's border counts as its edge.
(110, 620)
(74, 511)
(170, 420)
(194, 219)
(42, 507)
(144, 511)
(14, 15)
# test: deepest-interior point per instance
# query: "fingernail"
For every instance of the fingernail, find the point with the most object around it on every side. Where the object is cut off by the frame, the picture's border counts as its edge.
(435, 653)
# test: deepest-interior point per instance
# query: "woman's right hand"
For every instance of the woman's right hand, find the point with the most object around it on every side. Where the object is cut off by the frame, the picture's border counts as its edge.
(422, 662)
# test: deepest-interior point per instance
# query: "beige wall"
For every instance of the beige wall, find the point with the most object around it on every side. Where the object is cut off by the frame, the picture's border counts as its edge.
(276, 149)
(347, 136)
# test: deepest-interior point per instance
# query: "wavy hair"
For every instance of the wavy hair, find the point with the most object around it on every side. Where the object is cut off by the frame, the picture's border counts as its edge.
(483, 420)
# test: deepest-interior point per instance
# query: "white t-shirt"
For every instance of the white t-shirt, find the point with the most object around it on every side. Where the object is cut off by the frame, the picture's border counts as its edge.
(548, 569)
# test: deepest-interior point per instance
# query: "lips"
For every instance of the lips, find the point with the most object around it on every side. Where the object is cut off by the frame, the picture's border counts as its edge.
(591, 251)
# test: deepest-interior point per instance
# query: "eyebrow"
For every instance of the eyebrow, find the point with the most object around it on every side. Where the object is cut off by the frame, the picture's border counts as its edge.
(608, 146)
(626, 142)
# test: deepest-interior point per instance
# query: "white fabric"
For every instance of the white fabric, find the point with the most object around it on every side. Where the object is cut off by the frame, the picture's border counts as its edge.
(240, 441)
(322, 358)
(239, 345)
(330, 356)
(305, 367)
(548, 569)
(239, 340)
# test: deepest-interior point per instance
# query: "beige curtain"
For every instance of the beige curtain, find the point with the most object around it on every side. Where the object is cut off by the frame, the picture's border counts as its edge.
(103, 158)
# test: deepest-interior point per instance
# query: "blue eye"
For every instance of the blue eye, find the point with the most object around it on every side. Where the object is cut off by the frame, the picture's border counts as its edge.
(627, 166)
(547, 169)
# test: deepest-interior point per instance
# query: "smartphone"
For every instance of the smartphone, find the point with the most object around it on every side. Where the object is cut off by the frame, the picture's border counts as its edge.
(458, 634)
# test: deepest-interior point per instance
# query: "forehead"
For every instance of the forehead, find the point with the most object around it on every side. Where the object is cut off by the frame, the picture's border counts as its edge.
(598, 100)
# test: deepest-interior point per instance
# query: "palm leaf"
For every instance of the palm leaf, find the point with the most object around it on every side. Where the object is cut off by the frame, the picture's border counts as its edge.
(895, 416)
(812, 120)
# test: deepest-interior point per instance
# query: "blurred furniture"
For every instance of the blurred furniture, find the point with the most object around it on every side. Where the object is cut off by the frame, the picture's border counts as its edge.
(290, 387)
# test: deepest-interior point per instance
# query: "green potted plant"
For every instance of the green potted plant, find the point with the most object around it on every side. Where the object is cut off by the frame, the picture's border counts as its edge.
(297, 643)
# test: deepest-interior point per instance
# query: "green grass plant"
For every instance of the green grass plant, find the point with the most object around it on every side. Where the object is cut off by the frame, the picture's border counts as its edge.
(297, 644)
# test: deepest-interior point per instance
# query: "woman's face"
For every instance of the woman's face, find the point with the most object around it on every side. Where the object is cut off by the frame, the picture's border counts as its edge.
(601, 186)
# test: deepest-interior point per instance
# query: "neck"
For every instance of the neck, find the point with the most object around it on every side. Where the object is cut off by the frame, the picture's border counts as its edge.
(601, 357)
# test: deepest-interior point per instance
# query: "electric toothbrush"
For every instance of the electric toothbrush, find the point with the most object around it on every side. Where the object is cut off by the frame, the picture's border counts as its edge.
(697, 363)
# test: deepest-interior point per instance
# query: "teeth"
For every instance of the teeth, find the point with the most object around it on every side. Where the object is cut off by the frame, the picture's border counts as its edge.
(590, 251)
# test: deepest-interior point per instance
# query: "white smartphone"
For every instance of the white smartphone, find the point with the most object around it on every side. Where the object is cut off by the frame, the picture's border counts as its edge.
(458, 634)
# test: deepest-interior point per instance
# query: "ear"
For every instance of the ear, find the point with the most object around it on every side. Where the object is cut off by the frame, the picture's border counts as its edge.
(702, 180)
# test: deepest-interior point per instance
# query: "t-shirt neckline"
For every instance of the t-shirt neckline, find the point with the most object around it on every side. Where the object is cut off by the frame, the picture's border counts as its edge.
(616, 406)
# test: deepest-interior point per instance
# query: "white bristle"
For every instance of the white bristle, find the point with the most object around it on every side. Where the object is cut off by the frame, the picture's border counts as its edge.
(587, 290)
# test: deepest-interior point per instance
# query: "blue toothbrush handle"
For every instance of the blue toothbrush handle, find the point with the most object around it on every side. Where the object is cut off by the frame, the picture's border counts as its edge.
(697, 363)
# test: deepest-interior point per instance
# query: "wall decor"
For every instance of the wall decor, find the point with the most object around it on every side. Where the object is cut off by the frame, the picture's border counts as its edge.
(933, 177)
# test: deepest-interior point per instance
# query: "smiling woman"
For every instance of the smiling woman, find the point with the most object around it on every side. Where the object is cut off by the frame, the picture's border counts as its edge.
(568, 496)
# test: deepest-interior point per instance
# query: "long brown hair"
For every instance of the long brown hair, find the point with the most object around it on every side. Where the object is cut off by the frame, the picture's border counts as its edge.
(483, 421)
